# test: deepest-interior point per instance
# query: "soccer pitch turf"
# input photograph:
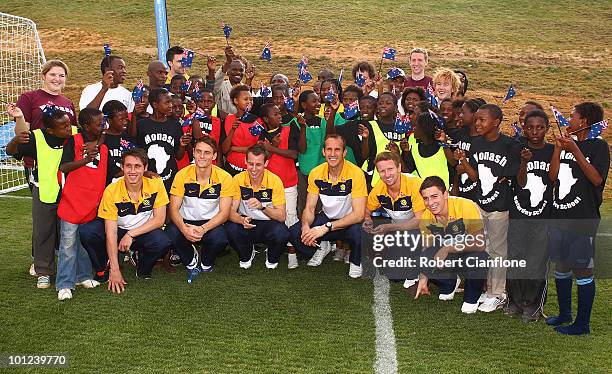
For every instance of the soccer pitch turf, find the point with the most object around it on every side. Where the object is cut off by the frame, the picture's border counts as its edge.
(308, 320)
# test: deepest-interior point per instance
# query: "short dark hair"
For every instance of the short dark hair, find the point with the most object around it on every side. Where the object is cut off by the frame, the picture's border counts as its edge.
(177, 77)
(433, 181)
(355, 89)
(326, 74)
(417, 90)
(446, 100)
(386, 155)
(173, 51)
(363, 66)
(303, 97)
(389, 94)
(537, 114)
(112, 107)
(593, 112)
(474, 104)
(49, 121)
(425, 107)
(86, 115)
(535, 104)
(494, 110)
(207, 140)
(106, 62)
(156, 93)
(369, 98)
(139, 153)
(266, 108)
(458, 103)
(257, 150)
(335, 136)
(281, 87)
(235, 92)
(428, 124)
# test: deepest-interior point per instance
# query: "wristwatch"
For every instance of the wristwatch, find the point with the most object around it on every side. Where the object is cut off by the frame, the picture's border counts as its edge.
(329, 226)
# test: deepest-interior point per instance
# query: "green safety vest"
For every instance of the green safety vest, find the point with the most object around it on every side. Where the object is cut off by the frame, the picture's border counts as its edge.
(381, 144)
(48, 161)
(428, 166)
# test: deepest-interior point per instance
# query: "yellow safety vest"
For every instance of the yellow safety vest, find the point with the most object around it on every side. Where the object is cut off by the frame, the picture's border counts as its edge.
(381, 144)
(428, 166)
(48, 161)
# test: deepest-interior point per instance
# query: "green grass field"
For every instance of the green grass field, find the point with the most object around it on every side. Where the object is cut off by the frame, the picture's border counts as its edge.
(309, 320)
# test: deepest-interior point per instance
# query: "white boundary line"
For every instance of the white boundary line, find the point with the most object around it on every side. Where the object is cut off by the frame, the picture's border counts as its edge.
(386, 354)
(16, 197)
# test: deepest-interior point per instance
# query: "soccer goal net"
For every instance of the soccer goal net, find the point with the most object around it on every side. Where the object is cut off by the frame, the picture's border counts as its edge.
(21, 59)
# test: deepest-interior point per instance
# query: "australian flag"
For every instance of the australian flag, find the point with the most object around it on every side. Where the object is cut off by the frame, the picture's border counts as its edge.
(256, 129)
(49, 109)
(563, 122)
(403, 124)
(510, 94)
(359, 80)
(431, 96)
(138, 92)
(596, 129)
(518, 132)
(289, 103)
(227, 30)
(107, 50)
(351, 109)
(330, 95)
(266, 54)
(304, 75)
(196, 95)
(389, 53)
(125, 145)
(200, 114)
(264, 91)
(394, 73)
(185, 86)
(440, 120)
(187, 59)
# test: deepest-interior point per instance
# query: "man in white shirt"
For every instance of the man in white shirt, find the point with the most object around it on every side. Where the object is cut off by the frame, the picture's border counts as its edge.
(109, 88)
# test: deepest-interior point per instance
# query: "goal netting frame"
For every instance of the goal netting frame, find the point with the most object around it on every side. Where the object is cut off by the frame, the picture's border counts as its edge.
(21, 59)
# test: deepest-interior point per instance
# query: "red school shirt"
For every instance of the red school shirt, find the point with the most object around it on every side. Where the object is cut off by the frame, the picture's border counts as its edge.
(242, 138)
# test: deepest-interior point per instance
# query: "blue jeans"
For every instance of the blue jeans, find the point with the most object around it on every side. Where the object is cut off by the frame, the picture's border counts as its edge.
(211, 244)
(272, 233)
(73, 264)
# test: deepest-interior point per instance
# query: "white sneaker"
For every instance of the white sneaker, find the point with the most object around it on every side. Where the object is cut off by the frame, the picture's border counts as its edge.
(355, 270)
(88, 283)
(317, 258)
(450, 296)
(64, 294)
(270, 265)
(491, 304)
(44, 281)
(247, 264)
(32, 270)
(468, 308)
(339, 254)
(410, 282)
(292, 261)
(482, 298)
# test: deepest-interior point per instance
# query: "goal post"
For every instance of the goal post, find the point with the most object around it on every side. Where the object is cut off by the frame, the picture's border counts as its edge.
(21, 60)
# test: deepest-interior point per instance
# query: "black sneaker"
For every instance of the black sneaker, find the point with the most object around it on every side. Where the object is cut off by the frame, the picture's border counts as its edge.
(143, 276)
(102, 276)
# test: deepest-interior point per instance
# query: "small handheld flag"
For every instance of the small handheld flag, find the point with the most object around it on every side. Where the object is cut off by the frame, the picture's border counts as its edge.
(227, 31)
(200, 114)
(510, 94)
(304, 75)
(264, 91)
(403, 124)
(138, 92)
(104, 125)
(50, 109)
(351, 109)
(448, 145)
(389, 53)
(340, 76)
(289, 103)
(329, 97)
(597, 129)
(518, 132)
(431, 96)
(125, 145)
(196, 95)
(266, 54)
(395, 72)
(256, 129)
(360, 80)
(562, 121)
(187, 59)
(440, 120)
(107, 50)
(245, 116)
(185, 86)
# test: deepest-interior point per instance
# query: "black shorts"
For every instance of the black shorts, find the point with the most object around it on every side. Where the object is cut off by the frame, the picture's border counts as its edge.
(573, 249)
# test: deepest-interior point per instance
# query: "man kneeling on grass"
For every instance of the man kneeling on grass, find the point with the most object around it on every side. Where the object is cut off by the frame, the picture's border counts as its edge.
(258, 210)
(341, 186)
(200, 201)
(134, 210)
(455, 244)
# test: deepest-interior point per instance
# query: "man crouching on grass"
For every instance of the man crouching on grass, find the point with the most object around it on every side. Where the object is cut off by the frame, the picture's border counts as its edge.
(134, 210)
(455, 243)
